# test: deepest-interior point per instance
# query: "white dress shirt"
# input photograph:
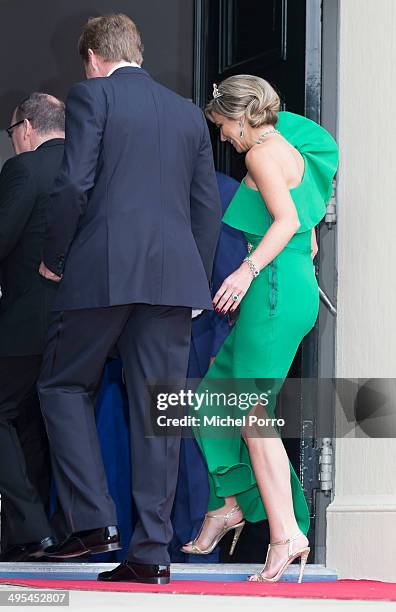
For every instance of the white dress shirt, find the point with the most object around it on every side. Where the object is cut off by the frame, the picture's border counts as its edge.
(122, 65)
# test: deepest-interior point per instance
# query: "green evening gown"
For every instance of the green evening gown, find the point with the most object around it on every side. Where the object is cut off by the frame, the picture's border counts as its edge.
(279, 309)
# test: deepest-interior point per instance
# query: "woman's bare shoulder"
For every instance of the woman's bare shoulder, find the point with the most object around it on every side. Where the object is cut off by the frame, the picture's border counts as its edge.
(264, 159)
(274, 158)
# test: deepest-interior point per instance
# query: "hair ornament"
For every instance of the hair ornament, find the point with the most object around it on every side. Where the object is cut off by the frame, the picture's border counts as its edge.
(216, 93)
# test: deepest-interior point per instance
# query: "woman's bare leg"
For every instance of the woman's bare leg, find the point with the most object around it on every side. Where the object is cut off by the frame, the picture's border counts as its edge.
(212, 527)
(272, 472)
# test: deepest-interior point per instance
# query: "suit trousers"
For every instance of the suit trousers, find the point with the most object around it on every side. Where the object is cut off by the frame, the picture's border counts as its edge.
(25, 469)
(154, 343)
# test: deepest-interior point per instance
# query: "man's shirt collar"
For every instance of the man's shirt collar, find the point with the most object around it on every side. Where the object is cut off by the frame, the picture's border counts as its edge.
(122, 65)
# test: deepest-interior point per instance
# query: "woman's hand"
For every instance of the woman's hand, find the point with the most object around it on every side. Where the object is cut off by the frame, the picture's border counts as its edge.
(236, 283)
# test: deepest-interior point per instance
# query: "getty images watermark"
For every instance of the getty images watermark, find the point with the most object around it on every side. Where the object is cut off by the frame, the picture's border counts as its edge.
(217, 407)
(213, 400)
(291, 407)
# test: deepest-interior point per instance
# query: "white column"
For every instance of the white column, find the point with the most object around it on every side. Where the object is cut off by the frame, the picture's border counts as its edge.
(361, 520)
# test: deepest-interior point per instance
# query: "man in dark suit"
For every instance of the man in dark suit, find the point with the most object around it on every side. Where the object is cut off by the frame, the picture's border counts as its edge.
(133, 227)
(37, 132)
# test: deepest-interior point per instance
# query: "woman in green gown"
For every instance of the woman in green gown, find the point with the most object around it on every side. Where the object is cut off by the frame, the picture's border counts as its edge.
(290, 163)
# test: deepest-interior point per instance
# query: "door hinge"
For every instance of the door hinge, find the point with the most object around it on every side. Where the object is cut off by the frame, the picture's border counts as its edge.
(326, 464)
(331, 208)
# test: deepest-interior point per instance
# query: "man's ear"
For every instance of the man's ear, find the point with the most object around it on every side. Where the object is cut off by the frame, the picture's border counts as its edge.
(92, 60)
(27, 129)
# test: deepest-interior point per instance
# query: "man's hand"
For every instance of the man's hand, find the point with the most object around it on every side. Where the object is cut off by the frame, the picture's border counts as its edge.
(43, 270)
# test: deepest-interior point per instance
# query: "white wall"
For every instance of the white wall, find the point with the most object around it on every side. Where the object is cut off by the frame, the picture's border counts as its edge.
(366, 332)
(361, 536)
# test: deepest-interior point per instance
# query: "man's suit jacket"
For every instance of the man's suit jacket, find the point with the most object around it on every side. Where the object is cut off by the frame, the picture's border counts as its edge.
(25, 183)
(135, 213)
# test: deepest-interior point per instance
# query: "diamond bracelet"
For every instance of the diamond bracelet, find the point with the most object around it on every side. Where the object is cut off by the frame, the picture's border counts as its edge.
(252, 267)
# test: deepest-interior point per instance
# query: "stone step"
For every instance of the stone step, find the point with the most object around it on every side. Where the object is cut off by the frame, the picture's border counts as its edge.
(222, 572)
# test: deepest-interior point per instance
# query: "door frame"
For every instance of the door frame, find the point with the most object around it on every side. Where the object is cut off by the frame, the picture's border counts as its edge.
(318, 348)
(327, 273)
(200, 66)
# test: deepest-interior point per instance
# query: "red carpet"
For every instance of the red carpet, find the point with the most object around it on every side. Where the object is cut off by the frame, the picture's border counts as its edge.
(340, 589)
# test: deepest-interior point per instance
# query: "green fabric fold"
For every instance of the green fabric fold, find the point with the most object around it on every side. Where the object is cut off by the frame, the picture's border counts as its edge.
(320, 153)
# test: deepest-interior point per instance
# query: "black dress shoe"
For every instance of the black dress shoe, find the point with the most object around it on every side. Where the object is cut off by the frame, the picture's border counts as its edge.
(91, 541)
(28, 552)
(137, 572)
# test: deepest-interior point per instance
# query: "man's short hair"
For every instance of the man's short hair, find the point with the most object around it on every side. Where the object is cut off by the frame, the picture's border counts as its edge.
(113, 38)
(46, 113)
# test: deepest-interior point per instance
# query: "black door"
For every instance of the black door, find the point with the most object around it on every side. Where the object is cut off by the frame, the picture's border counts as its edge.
(262, 37)
(266, 38)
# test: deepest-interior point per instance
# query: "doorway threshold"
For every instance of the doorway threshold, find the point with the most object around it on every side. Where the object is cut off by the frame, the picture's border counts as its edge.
(219, 572)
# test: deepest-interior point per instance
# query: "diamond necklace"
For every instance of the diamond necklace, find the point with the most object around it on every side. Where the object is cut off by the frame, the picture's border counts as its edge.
(272, 131)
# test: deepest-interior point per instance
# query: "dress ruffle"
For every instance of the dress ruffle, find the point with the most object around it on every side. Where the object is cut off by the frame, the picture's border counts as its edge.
(320, 153)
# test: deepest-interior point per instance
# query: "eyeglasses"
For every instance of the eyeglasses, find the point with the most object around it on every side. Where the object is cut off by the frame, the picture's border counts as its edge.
(9, 129)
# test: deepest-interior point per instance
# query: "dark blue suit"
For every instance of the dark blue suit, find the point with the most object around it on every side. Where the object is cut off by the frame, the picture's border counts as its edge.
(209, 331)
(135, 213)
(133, 226)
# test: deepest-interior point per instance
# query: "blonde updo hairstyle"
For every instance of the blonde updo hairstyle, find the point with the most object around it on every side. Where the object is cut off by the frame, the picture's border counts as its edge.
(245, 94)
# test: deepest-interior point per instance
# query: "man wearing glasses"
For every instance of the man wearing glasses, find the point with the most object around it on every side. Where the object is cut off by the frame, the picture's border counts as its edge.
(37, 134)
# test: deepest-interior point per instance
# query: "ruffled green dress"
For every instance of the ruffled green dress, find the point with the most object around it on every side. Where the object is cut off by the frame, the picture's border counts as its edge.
(279, 309)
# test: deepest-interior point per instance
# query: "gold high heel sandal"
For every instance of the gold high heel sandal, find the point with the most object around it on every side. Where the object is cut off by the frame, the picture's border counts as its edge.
(302, 553)
(195, 550)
